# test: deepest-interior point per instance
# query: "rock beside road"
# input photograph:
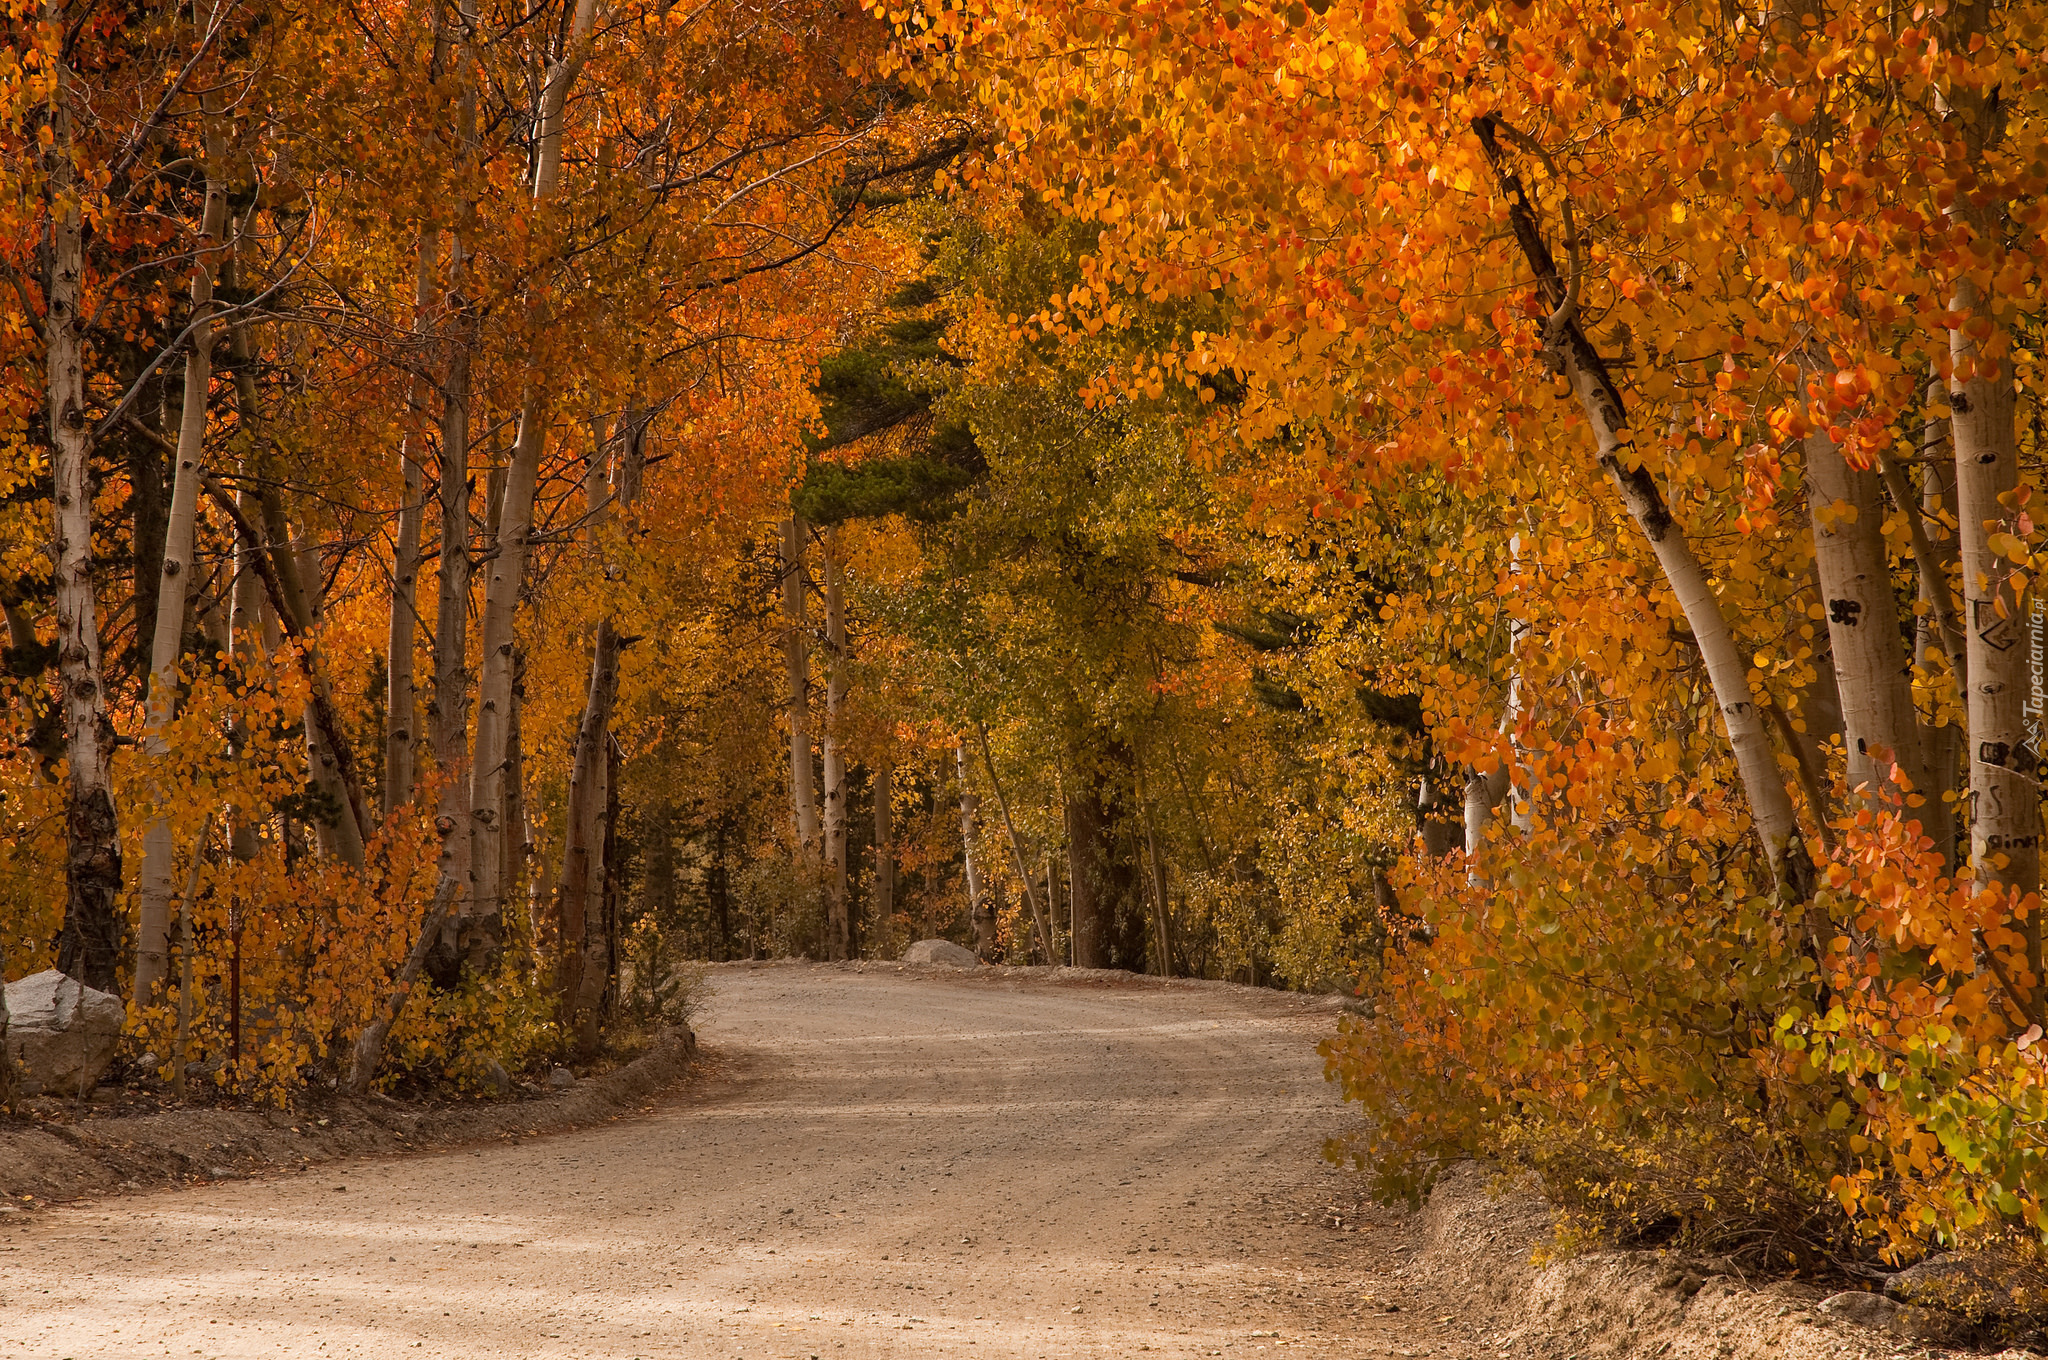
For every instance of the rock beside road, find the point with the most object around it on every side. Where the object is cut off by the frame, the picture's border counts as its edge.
(941, 952)
(60, 1033)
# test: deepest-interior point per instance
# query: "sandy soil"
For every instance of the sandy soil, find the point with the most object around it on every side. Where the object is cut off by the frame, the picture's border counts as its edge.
(888, 1165)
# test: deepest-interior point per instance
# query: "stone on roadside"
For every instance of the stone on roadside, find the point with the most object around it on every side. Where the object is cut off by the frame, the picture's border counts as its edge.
(1982, 1288)
(941, 952)
(60, 1033)
(1862, 1308)
(561, 1079)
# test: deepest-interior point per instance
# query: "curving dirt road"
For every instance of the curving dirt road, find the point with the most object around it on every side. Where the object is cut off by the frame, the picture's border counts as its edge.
(880, 1164)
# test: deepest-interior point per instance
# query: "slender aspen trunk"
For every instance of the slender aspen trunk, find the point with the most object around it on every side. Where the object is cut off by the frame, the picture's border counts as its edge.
(585, 863)
(246, 643)
(449, 707)
(368, 1051)
(1483, 792)
(1872, 672)
(503, 581)
(332, 764)
(328, 754)
(1016, 846)
(2005, 802)
(507, 574)
(401, 697)
(1770, 802)
(1939, 630)
(512, 845)
(884, 794)
(838, 931)
(1163, 918)
(1052, 897)
(979, 914)
(584, 869)
(797, 671)
(590, 797)
(89, 946)
(159, 849)
(2005, 819)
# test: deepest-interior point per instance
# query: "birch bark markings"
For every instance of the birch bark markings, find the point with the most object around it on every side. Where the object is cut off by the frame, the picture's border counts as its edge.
(2005, 802)
(89, 945)
(159, 846)
(1873, 674)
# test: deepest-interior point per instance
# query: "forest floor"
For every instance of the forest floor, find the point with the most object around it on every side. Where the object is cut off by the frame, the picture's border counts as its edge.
(884, 1161)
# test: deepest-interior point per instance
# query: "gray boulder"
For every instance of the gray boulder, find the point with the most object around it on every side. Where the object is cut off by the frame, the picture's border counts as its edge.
(1863, 1309)
(1999, 1296)
(60, 1033)
(942, 952)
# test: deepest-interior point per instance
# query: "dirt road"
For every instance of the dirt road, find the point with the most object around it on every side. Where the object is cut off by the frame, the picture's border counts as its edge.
(879, 1165)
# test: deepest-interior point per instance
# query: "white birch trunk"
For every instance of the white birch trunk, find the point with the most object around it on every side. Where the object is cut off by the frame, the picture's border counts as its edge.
(159, 848)
(2005, 822)
(88, 948)
(503, 581)
(1872, 671)
(401, 695)
(2005, 802)
(979, 915)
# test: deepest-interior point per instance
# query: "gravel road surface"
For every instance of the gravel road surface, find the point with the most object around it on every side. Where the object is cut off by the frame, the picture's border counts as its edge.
(877, 1164)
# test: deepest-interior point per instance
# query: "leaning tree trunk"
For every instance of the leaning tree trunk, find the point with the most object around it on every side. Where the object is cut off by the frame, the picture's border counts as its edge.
(797, 679)
(838, 930)
(159, 846)
(1016, 846)
(89, 946)
(1567, 346)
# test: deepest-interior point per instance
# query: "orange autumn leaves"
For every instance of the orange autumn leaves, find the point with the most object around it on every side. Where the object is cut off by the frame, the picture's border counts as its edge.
(1772, 219)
